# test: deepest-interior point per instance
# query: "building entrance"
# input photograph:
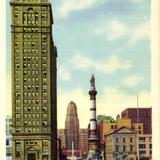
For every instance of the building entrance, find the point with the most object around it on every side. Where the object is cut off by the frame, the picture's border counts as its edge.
(31, 156)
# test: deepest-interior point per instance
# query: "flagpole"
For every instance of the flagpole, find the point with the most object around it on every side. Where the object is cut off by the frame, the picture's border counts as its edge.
(137, 127)
(72, 150)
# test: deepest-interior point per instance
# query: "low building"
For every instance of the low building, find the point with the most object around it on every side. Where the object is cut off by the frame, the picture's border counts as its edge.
(83, 135)
(138, 127)
(61, 136)
(105, 118)
(72, 153)
(145, 146)
(8, 138)
(105, 126)
(83, 142)
(120, 144)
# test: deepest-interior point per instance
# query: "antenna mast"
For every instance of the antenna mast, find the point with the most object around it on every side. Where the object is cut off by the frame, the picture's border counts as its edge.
(137, 127)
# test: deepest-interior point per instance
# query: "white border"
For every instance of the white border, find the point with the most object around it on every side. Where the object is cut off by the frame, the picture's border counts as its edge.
(155, 64)
(2, 78)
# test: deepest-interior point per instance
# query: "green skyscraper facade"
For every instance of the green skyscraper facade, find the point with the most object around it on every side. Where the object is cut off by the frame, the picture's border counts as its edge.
(34, 74)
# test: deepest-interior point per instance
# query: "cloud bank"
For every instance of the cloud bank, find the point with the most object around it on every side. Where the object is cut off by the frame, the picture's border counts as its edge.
(110, 65)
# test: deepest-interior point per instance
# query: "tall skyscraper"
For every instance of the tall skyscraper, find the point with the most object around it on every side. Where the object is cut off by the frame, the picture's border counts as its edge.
(34, 99)
(72, 127)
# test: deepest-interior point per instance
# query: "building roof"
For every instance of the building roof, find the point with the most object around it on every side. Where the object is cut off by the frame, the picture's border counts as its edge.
(105, 118)
(139, 108)
(122, 130)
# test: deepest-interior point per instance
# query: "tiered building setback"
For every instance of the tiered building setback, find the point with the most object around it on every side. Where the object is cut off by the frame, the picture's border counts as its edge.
(72, 127)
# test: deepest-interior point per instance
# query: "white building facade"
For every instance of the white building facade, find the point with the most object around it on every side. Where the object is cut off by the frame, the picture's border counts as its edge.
(8, 138)
(145, 146)
(120, 144)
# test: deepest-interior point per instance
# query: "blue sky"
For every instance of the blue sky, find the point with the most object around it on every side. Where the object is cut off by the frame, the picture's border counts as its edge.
(109, 38)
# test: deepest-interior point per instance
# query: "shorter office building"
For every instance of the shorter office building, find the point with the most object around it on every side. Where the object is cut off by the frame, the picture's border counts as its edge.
(83, 142)
(120, 144)
(8, 138)
(140, 115)
(138, 127)
(72, 153)
(106, 125)
(145, 146)
(83, 135)
(61, 136)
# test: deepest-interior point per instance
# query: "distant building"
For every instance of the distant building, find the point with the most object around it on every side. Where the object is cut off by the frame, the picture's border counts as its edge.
(8, 138)
(72, 127)
(145, 146)
(83, 141)
(61, 136)
(107, 126)
(140, 115)
(104, 127)
(120, 144)
(138, 127)
(83, 135)
(105, 118)
(68, 153)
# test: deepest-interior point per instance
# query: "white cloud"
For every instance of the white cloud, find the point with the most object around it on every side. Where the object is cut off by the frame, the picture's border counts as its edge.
(136, 1)
(116, 30)
(110, 65)
(132, 80)
(113, 64)
(110, 101)
(81, 62)
(113, 30)
(140, 32)
(63, 73)
(71, 5)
